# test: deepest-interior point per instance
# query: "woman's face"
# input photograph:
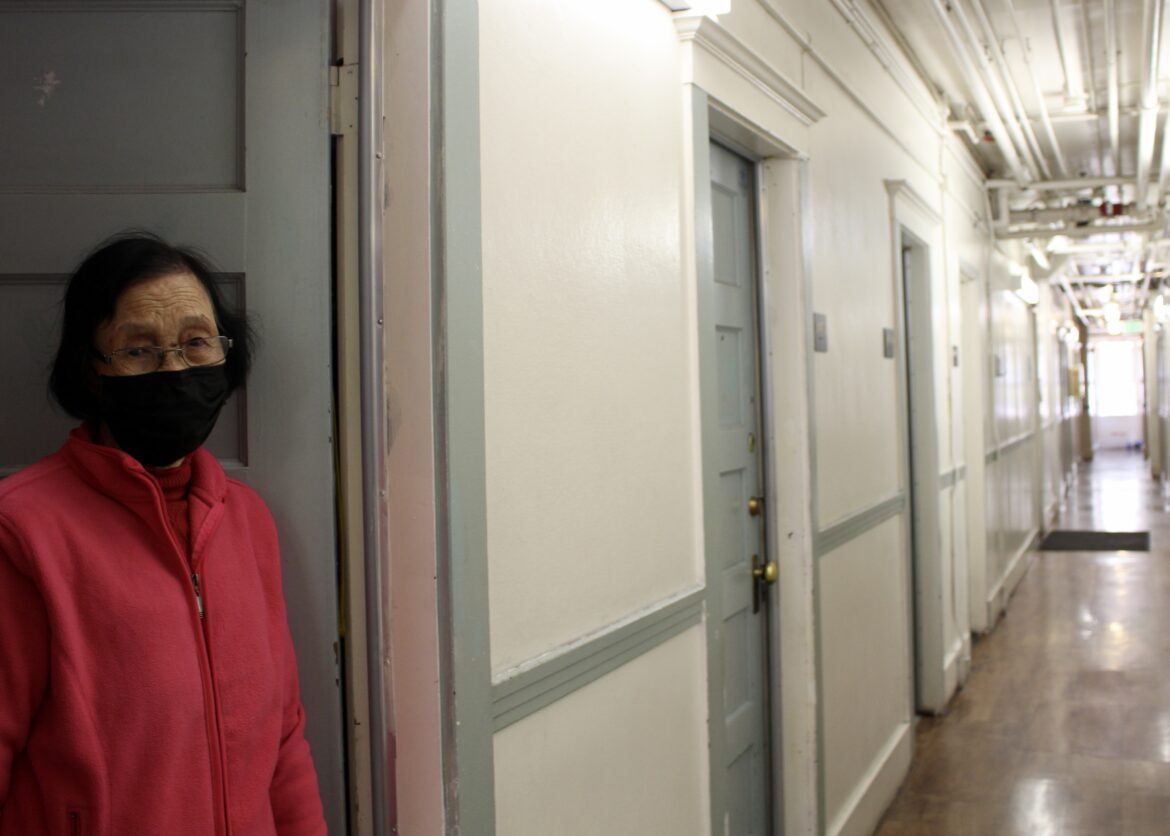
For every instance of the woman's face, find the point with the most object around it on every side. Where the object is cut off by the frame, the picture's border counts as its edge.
(166, 311)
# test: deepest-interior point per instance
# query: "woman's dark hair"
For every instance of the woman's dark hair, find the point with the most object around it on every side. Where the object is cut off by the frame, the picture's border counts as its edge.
(92, 295)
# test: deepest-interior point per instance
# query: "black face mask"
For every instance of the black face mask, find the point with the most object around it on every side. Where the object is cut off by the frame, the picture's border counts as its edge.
(162, 417)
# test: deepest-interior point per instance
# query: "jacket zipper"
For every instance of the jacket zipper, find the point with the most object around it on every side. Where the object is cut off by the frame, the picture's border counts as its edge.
(198, 594)
(219, 771)
(74, 823)
(219, 776)
(215, 739)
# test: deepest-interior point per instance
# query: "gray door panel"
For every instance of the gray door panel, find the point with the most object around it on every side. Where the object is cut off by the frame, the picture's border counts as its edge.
(203, 121)
(744, 644)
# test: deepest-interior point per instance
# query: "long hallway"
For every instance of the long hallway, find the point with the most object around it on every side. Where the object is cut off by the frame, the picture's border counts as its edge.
(1064, 724)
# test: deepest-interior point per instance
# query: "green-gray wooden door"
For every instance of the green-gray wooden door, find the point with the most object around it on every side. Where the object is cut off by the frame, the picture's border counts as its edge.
(204, 121)
(743, 599)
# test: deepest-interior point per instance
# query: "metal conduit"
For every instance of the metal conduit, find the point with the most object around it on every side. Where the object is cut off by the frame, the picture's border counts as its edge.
(986, 75)
(1114, 93)
(1164, 162)
(986, 105)
(372, 412)
(1148, 120)
(1020, 114)
(1073, 86)
(1045, 117)
(1065, 185)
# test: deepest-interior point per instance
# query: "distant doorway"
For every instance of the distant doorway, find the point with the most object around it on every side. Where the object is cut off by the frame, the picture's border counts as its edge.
(1116, 392)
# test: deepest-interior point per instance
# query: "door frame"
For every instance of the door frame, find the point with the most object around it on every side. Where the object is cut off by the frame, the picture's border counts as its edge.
(1160, 398)
(358, 405)
(914, 222)
(975, 351)
(783, 249)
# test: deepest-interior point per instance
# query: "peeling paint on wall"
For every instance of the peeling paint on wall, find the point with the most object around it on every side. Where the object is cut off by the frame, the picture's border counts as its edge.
(45, 85)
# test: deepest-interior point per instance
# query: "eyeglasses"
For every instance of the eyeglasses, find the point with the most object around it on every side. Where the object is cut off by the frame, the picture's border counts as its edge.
(202, 351)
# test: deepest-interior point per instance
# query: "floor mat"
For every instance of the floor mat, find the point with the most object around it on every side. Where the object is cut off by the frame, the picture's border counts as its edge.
(1096, 541)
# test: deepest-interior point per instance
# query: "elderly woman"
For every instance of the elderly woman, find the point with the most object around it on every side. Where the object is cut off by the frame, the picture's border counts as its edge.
(147, 678)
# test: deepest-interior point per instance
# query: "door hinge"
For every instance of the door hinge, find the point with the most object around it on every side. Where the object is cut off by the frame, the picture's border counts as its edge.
(343, 100)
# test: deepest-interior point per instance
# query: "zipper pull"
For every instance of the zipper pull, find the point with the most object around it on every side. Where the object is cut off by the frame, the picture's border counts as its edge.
(198, 594)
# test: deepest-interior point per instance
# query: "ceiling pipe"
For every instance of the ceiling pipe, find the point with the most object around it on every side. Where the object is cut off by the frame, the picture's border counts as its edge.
(1020, 114)
(1092, 102)
(1075, 184)
(982, 98)
(1079, 214)
(1080, 231)
(992, 84)
(1113, 87)
(1093, 248)
(1148, 110)
(1074, 87)
(1164, 163)
(1045, 116)
(1107, 278)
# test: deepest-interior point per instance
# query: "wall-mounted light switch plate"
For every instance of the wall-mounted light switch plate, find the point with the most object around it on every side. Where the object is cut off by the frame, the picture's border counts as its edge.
(820, 332)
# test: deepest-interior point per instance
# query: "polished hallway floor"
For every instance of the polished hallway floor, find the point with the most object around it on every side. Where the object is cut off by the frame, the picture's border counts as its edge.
(1063, 726)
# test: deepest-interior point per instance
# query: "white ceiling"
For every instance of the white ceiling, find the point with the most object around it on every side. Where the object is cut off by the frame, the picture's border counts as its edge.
(1028, 84)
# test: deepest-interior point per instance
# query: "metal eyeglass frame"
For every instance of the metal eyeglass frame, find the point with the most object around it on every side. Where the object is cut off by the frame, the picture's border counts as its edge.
(161, 353)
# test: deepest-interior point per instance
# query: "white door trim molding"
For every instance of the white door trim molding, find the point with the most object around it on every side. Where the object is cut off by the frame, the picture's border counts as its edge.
(707, 35)
(902, 190)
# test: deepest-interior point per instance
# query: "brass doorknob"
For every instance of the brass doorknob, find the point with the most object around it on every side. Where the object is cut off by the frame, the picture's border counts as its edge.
(767, 572)
(755, 505)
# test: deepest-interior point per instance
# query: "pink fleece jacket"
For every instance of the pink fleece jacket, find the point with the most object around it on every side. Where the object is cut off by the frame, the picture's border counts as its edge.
(123, 711)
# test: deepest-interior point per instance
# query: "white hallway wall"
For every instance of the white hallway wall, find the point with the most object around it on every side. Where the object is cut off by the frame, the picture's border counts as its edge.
(592, 463)
(592, 439)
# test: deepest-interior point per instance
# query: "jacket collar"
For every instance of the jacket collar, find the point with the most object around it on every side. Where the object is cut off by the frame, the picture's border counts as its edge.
(119, 475)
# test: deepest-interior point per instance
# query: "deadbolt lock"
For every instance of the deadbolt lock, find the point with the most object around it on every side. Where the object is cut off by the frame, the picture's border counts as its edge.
(755, 505)
(763, 574)
(767, 572)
